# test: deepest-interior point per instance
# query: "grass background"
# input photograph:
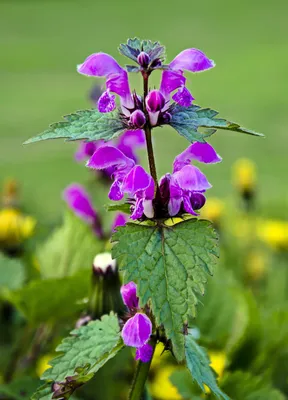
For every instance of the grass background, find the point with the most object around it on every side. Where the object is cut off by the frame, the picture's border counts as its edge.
(42, 41)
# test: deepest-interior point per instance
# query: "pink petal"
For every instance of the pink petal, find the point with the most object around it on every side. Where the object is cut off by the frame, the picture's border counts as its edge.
(192, 60)
(137, 330)
(129, 295)
(99, 64)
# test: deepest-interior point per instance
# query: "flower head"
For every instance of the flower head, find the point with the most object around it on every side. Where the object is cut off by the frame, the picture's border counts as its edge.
(184, 188)
(137, 329)
(128, 178)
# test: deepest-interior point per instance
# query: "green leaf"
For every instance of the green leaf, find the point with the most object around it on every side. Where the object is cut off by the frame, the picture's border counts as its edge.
(242, 385)
(52, 299)
(186, 387)
(19, 389)
(170, 266)
(198, 364)
(187, 120)
(133, 47)
(84, 124)
(61, 255)
(83, 354)
(124, 207)
(12, 273)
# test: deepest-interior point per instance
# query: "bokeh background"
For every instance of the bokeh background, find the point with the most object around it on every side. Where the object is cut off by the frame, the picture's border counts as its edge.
(43, 41)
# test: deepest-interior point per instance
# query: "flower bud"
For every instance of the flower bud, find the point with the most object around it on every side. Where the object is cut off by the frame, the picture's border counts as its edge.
(166, 118)
(197, 201)
(105, 289)
(143, 59)
(103, 264)
(137, 119)
(155, 101)
(156, 63)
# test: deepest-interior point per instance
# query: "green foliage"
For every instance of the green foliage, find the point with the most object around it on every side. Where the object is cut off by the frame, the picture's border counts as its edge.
(133, 47)
(83, 354)
(84, 124)
(124, 208)
(51, 299)
(61, 255)
(12, 273)
(170, 266)
(187, 120)
(244, 386)
(19, 389)
(198, 364)
(186, 387)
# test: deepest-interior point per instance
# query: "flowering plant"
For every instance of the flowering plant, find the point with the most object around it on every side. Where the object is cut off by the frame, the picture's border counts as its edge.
(165, 266)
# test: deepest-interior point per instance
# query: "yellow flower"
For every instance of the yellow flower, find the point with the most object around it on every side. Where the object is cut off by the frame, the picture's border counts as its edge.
(256, 265)
(244, 174)
(161, 388)
(42, 364)
(274, 233)
(15, 227)
(213, 209)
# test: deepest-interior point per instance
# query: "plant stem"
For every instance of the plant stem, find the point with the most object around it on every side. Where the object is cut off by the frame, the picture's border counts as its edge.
(141, 375)
(148, 134)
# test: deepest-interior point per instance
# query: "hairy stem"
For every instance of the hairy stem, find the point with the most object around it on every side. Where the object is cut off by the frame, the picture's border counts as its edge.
(141, 375)
(148, 134)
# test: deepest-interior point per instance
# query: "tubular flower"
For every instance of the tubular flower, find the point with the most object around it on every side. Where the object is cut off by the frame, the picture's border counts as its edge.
(192, 60)
(183, 190)
(79, 201)
(128, 178)
(137, 329)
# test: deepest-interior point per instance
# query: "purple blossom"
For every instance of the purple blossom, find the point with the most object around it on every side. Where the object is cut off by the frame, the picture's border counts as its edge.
(86, 150)
(128, 178)
(185, 187)
(103, 65)
(79, 201)
(192, 60)
(137, 329)
(119, 220)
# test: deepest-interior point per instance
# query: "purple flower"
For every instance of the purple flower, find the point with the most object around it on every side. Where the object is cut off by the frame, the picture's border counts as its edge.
(119, 220)
(192, 60)
(155, 102)
(129, 141)
(128, 178)
(86, 150)
(137, 329)
(185, 187)
(79, 201)
(137, 119)
(103, 65)
(143, 59)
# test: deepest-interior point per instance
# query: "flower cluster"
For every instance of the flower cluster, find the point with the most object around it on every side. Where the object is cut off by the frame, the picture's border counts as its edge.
(137, 329)
(181, 191)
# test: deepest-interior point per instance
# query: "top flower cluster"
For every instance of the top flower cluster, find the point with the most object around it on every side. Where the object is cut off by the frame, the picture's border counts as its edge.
(157, 102)
(179, 192)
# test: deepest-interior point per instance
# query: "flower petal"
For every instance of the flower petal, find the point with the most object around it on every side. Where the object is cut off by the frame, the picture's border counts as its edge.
(116, 191)
(79, 201)
(137, 330)
(192, 60)
(197, 200)
(188, 206)
(171, 80)
(144, 353)
(120, 220)
(174, 205)
(106, 102)
(138, 209)
(109, 156)
(139, 180)
(99, 64)
(85, 150)
(119, 84)
(192, 179)
(129, 295)
(183, 97)
(129, 141)
(202, 152)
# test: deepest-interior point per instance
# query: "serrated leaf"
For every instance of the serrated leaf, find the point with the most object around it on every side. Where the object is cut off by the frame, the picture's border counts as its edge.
(186, 387)
(133, 47)
(170, 266)
(61, 255)
(198, 364)
(83, 354)
(124, 207)
(187, 121)
(242, 385)
(86, 125)
(52, 299)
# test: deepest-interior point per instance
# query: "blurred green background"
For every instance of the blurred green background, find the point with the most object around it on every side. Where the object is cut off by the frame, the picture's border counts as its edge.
(43, 41)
